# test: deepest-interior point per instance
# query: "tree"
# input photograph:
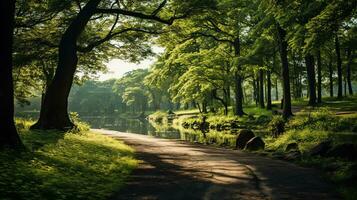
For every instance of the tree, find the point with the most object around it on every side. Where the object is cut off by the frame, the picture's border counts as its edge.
(9, 136)
(54, 113)
(283, 46)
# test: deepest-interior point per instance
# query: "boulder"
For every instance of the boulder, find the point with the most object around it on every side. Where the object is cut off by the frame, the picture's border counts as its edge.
(243, 137)
(345, 151)
(255, 144)
(292, 147)
(320, 149)
(293, 155)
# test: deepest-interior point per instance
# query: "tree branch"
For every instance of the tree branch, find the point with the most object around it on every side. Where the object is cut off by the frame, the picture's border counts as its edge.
(213, 37)
(141, 15)
(108, 37)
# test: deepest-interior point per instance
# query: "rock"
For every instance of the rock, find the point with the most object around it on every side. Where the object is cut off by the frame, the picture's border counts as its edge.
(243, 137)
(345, 151)
(320, 149)
(293, 155)
(255, 144)
(292, 147)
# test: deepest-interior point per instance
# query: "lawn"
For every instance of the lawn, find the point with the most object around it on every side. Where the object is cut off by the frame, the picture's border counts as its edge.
(58, 165)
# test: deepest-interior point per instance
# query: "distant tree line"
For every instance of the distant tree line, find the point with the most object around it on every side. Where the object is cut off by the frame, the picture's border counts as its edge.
(225, 52)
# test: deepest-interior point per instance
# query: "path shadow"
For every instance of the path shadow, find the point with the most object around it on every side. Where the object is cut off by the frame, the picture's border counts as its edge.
(159, 179)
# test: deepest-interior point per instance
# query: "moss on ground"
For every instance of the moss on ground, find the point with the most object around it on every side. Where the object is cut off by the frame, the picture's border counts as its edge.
(64, 165)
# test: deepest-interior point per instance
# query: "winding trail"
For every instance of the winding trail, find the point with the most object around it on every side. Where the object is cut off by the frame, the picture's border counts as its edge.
(173, 169)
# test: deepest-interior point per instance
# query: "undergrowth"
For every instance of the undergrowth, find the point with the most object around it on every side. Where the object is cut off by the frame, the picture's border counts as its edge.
(64, 165)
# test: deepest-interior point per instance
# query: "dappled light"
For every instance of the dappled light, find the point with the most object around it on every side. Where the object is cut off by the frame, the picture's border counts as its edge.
(178, 99)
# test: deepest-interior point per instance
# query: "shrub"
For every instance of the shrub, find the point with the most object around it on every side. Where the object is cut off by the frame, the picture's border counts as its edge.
(79, 124)
(158, 116)
(277, 125)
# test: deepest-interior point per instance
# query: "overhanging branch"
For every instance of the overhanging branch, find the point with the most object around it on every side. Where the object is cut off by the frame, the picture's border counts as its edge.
(108, 37)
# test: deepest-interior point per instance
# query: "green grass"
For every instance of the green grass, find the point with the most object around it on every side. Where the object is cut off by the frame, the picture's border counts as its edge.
(57, 165)
(158, 116)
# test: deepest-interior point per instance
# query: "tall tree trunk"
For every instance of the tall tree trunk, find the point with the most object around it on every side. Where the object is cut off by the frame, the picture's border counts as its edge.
(204, 106)
(268, 90)
(345, 88)
(9, 137)
(330, 77)
(339, 67)
(348, 71)
(319, 78)
(54, 110)
(256, 90)
(285, 72)
(228, 96)
(261, 88)
(238, 80)
(276, 89)
(310, 68)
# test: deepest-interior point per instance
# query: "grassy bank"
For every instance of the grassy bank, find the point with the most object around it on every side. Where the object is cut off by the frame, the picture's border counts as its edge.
(334, 121)
(72, 165)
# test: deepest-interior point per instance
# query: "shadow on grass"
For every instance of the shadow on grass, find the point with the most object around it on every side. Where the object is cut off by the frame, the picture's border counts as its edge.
(64, 166)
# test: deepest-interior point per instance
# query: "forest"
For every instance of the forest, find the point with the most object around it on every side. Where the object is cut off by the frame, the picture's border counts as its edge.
(267, 81)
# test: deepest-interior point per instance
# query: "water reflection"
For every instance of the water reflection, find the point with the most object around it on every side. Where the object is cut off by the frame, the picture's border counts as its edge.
(221, 138)
(137, 126)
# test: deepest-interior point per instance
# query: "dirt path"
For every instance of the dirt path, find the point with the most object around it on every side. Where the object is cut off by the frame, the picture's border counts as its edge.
(172, 169)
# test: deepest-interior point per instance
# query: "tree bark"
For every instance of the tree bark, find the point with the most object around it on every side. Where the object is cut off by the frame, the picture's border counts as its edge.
(319, 78)
(310, 68)
(256, 89)
(283, 46)
(330, 77)
(276, 89)
(339, 67)
(9, 137)
(348, 71)
(261, 88)
(238, 80)
(268, 90)
(54, 110)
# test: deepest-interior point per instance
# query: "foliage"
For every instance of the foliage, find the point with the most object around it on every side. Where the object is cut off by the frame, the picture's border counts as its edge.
(158, 116)
(306, 139)
(277, 125)
(322, 119)
(59, 165)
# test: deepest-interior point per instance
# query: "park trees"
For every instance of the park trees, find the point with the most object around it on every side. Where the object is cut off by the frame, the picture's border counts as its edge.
(8, 136)
(131, 19)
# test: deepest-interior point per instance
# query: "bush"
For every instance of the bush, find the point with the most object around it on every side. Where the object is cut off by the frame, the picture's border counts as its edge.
(158, 116)
(321, 119)
(79, 124)
(277, 125)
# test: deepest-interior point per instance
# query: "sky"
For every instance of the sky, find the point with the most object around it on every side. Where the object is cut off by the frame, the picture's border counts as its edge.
(117, 68)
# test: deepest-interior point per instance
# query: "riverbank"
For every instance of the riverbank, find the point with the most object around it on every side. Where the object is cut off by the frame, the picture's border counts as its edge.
(174, 169)
(323, 137)
(79, 164)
